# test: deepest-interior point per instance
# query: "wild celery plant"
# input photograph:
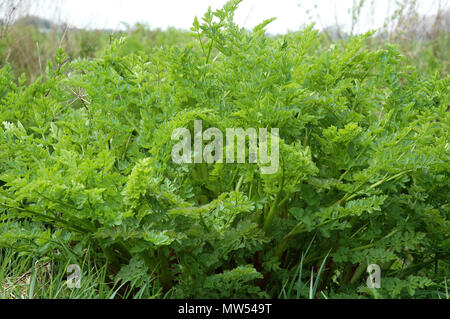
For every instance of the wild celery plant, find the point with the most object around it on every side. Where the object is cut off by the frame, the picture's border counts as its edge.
(86, 165)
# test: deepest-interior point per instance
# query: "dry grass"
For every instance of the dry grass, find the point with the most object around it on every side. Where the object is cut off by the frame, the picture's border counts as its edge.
(19, 287)
(28, 42)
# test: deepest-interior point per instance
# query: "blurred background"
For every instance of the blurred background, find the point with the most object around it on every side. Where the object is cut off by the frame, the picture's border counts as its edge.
(32, 30)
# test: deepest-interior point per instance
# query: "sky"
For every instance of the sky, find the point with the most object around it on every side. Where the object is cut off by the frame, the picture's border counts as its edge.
(291, 14)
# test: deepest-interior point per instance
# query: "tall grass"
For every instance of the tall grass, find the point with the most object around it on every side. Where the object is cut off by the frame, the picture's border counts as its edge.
(422, 37)
(23, 277)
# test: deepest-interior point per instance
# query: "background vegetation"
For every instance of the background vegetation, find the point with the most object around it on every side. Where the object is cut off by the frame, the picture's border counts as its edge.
(86, 176)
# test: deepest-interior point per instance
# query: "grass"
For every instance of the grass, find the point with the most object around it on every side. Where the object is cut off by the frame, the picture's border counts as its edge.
(295, 285)
(22, 277)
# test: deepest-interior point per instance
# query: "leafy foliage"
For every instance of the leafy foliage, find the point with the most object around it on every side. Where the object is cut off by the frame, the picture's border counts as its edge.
(85, 165)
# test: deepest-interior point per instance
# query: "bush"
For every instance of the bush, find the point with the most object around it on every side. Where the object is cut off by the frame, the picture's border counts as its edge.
(86, 166)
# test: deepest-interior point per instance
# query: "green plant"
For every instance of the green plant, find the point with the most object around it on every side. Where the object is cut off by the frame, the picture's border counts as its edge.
(86, 165)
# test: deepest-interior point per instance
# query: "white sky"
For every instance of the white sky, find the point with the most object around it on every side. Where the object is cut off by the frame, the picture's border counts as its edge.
(290, 14)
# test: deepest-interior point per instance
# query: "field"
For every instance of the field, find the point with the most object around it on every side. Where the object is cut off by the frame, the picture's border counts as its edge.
(92, 204)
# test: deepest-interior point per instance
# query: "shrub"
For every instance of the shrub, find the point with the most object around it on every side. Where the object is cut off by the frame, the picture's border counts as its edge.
(364, 161)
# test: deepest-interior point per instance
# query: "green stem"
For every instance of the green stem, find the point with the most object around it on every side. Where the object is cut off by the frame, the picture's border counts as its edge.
(166, 278)
(72, 226)
(273, 209)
